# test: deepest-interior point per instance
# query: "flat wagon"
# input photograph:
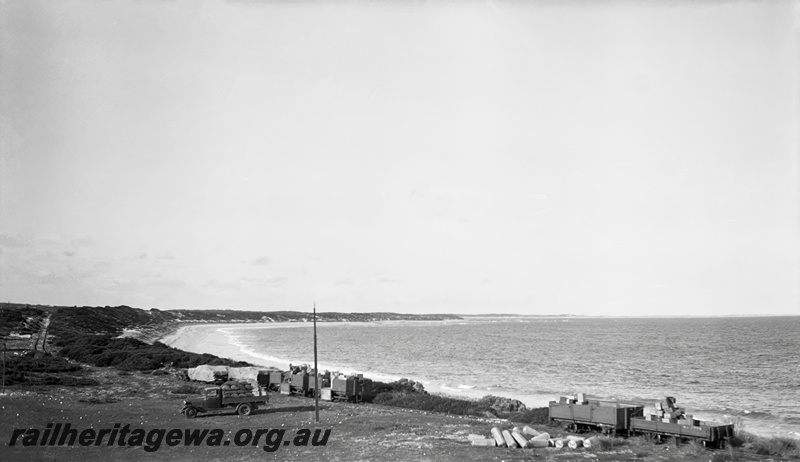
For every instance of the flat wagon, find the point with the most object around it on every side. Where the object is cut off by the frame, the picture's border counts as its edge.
(711, 434)
(606, 416)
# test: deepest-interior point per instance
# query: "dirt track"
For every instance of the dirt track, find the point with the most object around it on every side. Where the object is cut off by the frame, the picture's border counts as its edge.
(358, 431)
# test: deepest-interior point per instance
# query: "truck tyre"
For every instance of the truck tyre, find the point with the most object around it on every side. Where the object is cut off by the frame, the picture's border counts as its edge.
(191, 413)
(244, 409)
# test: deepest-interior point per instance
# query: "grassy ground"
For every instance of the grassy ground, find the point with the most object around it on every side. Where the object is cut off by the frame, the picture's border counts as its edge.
(358, 431)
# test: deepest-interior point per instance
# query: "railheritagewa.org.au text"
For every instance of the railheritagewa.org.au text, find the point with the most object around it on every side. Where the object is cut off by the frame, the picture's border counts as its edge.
(63, 434)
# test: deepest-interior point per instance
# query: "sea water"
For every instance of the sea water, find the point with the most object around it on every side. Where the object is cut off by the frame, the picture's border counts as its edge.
(744, 369)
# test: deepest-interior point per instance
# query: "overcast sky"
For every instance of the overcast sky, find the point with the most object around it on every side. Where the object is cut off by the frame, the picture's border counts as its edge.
(614, 158)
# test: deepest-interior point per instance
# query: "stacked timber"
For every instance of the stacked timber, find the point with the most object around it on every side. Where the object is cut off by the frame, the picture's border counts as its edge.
(530, 438)
(542, 440)
(667, 411)
(525, 438)
(509, 439)
(574, 442)
(579, 398)
(592, 442)
(236, 389)
(498, 437)
(530, 431)
(520, 439)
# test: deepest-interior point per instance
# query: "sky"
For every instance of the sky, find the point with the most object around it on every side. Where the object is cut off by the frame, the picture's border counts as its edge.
(592, 158)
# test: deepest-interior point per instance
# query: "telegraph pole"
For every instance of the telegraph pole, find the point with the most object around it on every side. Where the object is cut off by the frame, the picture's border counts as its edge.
(316, 369)
(4, 368)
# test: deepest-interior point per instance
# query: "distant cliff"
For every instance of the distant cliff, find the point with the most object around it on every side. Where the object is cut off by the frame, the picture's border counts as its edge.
(28, 320)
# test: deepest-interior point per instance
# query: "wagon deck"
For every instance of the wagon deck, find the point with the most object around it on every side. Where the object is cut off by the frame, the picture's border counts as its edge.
(608, 416)
(713, 434)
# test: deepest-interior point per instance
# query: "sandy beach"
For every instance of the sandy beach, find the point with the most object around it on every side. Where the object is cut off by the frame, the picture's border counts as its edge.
(215, 339)
(208, 338)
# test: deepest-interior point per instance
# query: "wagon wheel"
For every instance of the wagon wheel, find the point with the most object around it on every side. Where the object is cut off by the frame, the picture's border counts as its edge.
(244, 409)
(191, 413)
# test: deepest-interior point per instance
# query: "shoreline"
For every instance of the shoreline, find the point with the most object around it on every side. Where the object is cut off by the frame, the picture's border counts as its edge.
(189, 338)
(198, 338)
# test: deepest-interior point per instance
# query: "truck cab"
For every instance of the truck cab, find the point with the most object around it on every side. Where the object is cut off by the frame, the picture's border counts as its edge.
(214, 399)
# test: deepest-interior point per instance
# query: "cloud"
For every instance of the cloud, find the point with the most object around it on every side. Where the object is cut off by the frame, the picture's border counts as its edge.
(263, 282)
(14, 240)
(85, 241)
(215, 284)
(344, 282)
(261, 261)
(165, 281)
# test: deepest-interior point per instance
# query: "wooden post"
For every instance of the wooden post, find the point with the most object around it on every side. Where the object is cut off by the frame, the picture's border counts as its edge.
(316, 369)
(4, 368)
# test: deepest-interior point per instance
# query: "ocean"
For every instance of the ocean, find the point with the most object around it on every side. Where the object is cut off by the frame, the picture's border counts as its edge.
(745, 370)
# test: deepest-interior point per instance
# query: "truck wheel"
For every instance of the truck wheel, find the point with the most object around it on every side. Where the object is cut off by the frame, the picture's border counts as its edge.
(191, 413)
(244, 409)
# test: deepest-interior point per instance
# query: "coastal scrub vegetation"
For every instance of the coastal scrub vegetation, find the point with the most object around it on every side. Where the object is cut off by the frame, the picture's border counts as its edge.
(129, 354)
(20, 319)
(92, 335)
(33, 369)
(776, 446)
(457, 406)
(409, 394)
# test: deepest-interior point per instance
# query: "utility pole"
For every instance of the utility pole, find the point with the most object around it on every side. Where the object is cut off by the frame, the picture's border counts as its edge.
(4, 368)
(316, 369)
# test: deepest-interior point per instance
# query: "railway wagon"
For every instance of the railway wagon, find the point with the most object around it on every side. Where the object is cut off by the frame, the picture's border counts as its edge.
(276, 378)
(710, 434)
(351, 388)
(298, 383)
(270, 380)
(324, 380)
(607, 416)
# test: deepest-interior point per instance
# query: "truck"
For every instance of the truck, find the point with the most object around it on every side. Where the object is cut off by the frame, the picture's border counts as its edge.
(214, 400)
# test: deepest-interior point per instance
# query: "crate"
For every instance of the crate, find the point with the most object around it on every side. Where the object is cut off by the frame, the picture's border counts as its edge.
(324, 381)
(326, 394)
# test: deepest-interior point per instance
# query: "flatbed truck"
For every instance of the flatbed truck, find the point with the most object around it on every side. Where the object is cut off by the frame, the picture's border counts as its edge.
(214, 400)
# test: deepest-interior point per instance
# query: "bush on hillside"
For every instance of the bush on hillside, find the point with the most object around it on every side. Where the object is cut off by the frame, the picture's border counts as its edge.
(500, 404)
(130, 354)
(536, 416)
(30, 369)
(401, 386)
(433, 403)
(776, 447)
